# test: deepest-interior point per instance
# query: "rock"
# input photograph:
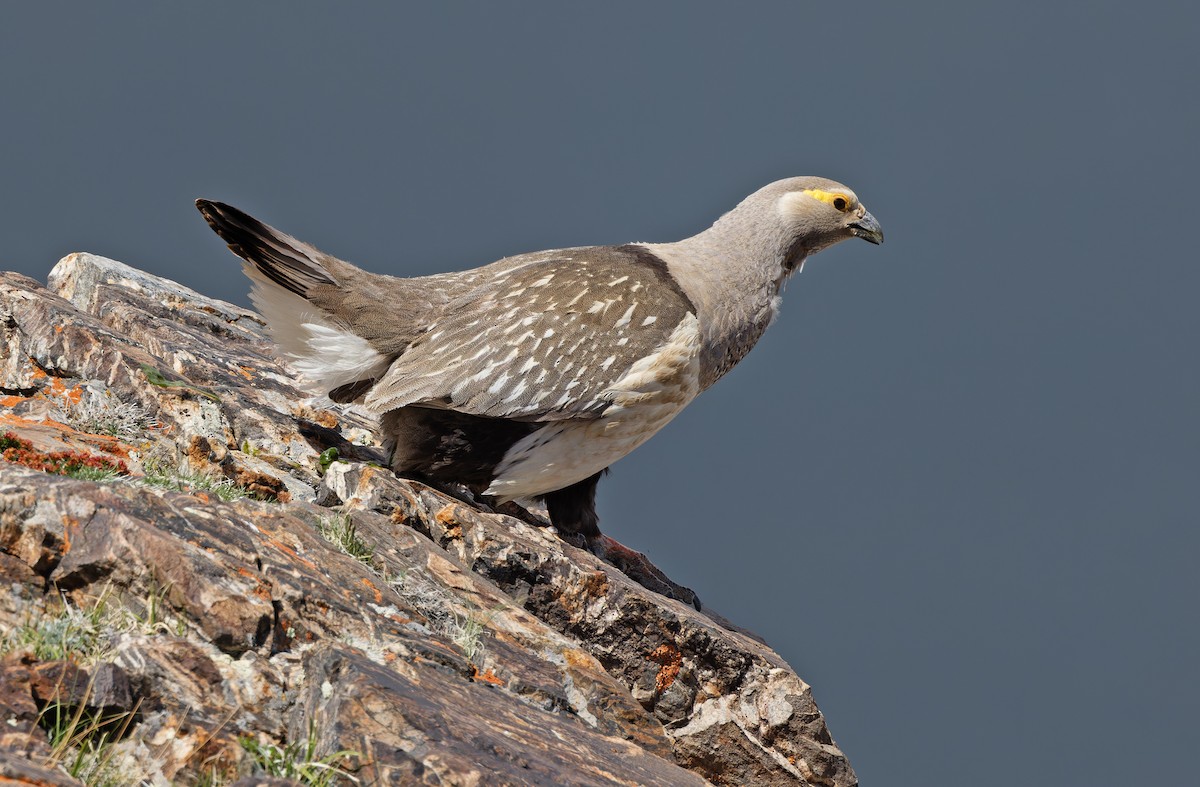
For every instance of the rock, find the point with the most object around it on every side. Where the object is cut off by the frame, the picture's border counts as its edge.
(16, 771)
(103, 690)
(414, 636)
(386, 713)
(19, 733)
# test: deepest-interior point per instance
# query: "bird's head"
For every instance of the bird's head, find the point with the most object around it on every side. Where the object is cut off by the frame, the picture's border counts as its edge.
(816, 213)
(798, 217)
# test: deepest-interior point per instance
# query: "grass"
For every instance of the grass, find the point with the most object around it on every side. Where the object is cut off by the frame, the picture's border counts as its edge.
(340, 530)
(160, 474)
(101, 475)
(86, 635)
(299, 760)
(84, 743)
(466, 631)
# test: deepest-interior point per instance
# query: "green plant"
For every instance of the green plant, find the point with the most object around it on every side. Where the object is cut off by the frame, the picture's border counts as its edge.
(86, 634)
(159, 474)
(72, 632)
(84, 743)
(299, 760)
(340, 530)
(155, 377)
(76, 464)
(466, 631)
(98, 474)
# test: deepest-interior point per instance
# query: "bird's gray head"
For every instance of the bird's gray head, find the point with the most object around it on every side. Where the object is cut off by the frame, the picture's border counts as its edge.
(800, 216)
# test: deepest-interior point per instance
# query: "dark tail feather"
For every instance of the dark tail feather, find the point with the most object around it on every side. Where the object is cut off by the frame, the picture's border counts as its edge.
(290, 263)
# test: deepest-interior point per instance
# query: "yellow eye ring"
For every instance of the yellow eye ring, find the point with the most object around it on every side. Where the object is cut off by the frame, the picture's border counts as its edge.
(840, 202)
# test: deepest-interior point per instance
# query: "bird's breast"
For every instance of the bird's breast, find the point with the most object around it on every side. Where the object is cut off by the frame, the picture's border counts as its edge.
(654, 390)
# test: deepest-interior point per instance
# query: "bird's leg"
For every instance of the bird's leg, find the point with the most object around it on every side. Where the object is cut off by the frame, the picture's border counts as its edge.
(573, 513)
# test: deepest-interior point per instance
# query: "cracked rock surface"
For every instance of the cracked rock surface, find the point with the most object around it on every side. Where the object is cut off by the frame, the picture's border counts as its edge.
(244, 586)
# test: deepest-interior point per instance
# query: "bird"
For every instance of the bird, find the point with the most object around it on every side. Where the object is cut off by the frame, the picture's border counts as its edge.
(526, 378)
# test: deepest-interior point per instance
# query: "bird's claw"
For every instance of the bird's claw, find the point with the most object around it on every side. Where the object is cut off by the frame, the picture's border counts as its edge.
(638, 567)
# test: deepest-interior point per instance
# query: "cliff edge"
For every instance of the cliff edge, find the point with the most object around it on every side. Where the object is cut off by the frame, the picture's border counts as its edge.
(210, 579)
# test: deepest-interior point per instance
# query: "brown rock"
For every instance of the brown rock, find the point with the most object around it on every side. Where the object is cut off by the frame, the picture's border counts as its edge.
(16, 771)
(19, 733)
(104, 689)
(405, 723)
(461, 645)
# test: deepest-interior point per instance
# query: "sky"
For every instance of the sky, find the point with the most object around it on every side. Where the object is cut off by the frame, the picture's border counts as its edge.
(956, 483)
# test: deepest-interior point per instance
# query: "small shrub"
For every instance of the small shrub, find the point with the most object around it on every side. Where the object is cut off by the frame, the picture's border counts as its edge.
(104, 414)
(70, 463)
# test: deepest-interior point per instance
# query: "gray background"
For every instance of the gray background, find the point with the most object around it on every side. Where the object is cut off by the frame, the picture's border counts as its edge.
(955, 485)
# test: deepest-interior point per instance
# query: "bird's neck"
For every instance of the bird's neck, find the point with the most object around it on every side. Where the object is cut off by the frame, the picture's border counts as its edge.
(733, 275)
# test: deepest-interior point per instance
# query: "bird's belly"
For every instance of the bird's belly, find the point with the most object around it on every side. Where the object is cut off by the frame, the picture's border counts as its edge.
(559, 454)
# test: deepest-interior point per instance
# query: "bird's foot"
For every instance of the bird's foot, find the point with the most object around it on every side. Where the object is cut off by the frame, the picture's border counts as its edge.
(638, 567)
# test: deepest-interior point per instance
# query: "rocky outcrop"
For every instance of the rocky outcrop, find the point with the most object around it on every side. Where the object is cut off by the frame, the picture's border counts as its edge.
(250, 594)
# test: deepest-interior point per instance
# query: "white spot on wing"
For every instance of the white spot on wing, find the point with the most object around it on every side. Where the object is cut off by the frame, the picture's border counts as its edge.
(498, 386)
(627, 316)
(516, 392)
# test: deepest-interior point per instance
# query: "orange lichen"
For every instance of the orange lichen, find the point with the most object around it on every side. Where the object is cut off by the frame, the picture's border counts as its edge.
(487, 676)
(287, 550)
(595, 584)
(670, 658)
(59, 388)
(370, 585)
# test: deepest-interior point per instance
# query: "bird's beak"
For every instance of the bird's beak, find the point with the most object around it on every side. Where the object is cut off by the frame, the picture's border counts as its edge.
(867, 228)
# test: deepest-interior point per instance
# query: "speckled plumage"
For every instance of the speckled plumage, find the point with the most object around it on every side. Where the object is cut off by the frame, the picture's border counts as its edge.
(528, 377)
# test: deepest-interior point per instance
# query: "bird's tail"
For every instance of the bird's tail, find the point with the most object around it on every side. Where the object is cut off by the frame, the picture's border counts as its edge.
(302, 294)
(289, 263)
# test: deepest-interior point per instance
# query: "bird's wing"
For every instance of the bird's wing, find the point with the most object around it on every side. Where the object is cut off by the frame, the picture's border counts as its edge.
(540, 342)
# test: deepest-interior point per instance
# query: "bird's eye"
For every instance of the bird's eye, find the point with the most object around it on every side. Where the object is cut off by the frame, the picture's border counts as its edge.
(841, 203)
